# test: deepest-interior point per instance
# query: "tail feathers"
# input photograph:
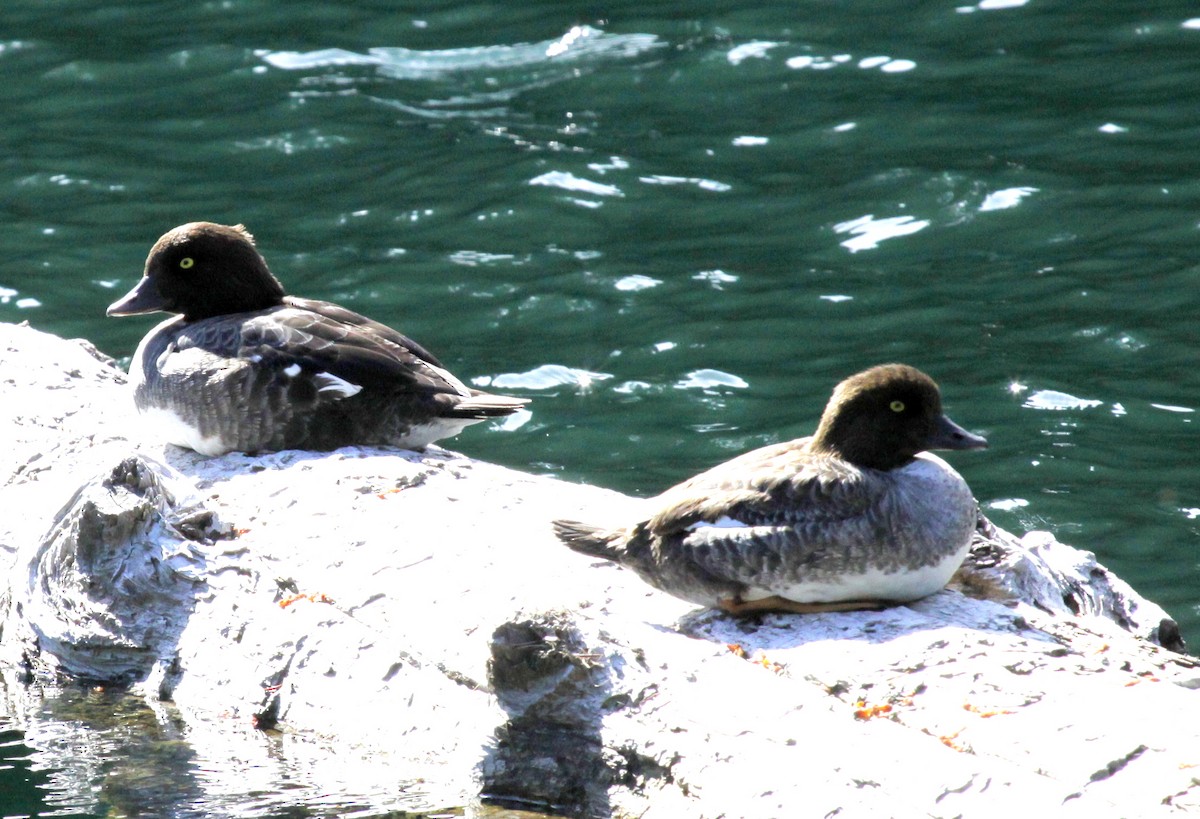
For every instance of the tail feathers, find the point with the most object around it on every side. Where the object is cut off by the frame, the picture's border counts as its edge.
(486, 405)
(589, 540)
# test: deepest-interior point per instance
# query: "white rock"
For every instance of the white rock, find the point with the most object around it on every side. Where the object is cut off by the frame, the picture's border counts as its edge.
(395, 616)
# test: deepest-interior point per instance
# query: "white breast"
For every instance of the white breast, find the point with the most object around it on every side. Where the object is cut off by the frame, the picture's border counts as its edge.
(898, 586)
(931, 510)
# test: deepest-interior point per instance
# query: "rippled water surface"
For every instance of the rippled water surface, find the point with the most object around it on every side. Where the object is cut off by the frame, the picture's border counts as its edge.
(674, 226)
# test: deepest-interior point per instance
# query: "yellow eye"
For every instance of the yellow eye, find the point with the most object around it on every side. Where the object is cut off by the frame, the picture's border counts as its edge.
(897, 406)
(186, 262)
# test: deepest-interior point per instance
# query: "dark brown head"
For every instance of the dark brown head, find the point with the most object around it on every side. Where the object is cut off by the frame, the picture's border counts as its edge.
(202, 269)
(882, 417)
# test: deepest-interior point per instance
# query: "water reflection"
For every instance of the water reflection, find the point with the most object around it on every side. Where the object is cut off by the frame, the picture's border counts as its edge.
(473, 81)
(94, 751)
(571, 182)
(1007, 198)
(1057, 401)
(867, 232)
(545, 377)
(579, 43)
(711, 381)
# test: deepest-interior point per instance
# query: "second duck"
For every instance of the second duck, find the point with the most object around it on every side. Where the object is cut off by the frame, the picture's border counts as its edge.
(857, 516)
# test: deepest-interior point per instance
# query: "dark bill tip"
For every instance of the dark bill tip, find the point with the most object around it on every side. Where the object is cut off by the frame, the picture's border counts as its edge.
(143, 298)
(949, 435)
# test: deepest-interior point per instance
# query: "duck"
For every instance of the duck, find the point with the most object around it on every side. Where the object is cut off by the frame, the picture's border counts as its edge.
(860, 515)
(241, 366)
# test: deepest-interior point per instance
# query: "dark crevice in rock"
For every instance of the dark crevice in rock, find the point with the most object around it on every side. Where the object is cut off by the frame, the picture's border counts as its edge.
(1117, 765)
(638, 771)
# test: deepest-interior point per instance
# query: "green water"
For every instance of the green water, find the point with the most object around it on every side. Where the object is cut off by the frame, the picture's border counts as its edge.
(675, 226)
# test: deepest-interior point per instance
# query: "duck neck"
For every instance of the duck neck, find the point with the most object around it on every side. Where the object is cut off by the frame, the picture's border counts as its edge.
(859, 446)
(249, 293)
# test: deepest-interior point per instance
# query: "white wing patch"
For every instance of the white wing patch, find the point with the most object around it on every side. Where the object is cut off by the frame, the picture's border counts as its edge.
(328, 382)
(291, 370)
(723, 522)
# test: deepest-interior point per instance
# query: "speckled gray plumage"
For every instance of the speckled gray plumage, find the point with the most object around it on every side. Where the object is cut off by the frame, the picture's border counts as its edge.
(244, 367)
(811, 523)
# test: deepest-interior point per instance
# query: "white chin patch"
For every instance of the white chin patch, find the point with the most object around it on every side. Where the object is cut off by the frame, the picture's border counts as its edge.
(340, 387)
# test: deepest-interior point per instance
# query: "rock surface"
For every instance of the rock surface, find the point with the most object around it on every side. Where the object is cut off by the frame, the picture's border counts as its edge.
(388, 615)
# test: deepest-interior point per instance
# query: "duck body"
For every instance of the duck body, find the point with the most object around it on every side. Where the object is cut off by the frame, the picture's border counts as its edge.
(284, 372)
(812, 524)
